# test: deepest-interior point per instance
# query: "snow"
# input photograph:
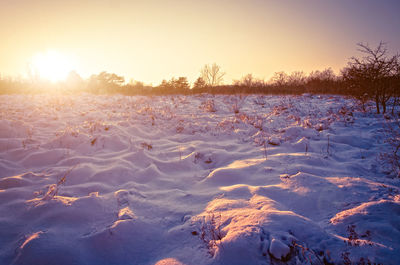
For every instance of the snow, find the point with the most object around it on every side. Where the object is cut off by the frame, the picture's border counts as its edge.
(196, 179)
(278, 249)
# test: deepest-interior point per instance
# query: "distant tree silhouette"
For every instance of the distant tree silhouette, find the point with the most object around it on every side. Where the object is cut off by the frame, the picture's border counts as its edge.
(137, 84)
(212, 75)
(246, 81)
(297, 78)
(373, 76)
(174, 86)
(326, 74)
(73, 77)
(199, 83)
(136, 88)
(105, 83)
(279, 79)
(111, 78)
(181, 84)
(322, 81)
(164, 86)
(249, 81)
(9, 85)
(74, 81)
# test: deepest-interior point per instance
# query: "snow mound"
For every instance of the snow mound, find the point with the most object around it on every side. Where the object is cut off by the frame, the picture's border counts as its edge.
(119, 180)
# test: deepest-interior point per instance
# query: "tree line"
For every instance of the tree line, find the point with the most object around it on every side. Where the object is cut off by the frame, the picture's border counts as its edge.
(373, 76)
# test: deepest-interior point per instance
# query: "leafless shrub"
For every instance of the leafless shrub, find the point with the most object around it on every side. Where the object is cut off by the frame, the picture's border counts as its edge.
(145, 110)
(52, 190)
(295, 117)
(258, 123)
(210, 232)
(306, 255)
(201, 157)
(346, 114)
(282, 108)
(237, 102)
(265, 149)
(208, 106)
(198, 156)
(180, 127)
(355, 239)
(328, 144)
(226, 125)
(260, 100)
(309, 256)
(147, 146)
(391, 160)
(253, 120)
(93, 126)
(166, 113)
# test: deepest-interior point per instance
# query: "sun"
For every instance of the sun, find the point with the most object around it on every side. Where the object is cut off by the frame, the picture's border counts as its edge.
(53, 66)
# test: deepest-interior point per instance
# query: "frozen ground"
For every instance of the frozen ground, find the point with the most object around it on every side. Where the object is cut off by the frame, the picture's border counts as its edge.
(186, 180)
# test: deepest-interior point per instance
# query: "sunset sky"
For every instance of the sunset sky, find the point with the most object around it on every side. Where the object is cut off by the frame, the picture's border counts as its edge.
(154, 40)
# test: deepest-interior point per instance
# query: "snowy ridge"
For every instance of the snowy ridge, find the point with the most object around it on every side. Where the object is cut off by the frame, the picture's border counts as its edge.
(186, 180)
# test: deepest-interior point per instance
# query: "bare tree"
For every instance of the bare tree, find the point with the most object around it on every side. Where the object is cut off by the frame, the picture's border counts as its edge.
(279, 79)
(249, 81)
(212, 75)
(297, 78)
(395, 86)
(322, 81)
(373, 75)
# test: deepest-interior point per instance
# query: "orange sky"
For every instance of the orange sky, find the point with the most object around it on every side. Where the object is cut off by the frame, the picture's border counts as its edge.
(154, 40)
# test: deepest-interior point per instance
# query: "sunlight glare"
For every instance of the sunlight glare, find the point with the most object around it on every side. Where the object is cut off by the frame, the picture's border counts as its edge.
(52, 65)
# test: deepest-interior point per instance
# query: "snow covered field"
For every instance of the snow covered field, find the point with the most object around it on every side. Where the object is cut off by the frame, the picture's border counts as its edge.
(194, 180)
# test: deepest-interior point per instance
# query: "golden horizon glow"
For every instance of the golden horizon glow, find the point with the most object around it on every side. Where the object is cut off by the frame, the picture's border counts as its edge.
(153, 40)
(52, 65)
